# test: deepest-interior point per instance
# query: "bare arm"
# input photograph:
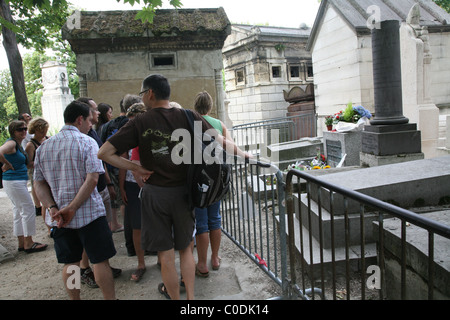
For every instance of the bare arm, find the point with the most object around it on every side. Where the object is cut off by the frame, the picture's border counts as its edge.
(45, 196)
(108, 154)
(30, 150)
(64, 215)
(8, 147)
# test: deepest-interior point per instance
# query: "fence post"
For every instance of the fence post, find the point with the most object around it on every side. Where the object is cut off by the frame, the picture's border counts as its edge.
(281, 187)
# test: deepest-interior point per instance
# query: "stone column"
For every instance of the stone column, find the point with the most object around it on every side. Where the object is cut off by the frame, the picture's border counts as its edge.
(219, 95)
(387, 74)
(389, 138)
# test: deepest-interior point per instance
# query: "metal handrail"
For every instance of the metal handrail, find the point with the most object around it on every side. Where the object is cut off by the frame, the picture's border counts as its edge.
(433, 227)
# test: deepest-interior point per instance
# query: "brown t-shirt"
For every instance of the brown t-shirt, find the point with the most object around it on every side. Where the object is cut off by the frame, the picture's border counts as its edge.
(152, 132)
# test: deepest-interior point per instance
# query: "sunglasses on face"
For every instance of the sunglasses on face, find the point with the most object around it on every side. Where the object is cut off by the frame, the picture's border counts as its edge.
(22, 129)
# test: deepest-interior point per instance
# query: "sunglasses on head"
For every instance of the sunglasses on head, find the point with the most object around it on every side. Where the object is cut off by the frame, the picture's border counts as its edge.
(22, 129)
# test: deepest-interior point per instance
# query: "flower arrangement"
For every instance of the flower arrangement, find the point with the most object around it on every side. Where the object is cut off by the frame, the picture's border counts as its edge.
(319, 162)
(329, 120)
(353, 114)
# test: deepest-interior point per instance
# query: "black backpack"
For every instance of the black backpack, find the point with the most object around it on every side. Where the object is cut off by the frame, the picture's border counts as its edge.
(207, 183)
(109, 129)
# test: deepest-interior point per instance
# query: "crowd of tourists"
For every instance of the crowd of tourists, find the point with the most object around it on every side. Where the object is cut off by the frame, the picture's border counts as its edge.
(97, 168)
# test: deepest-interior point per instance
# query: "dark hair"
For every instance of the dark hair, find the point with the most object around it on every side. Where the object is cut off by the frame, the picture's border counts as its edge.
(85, 100)
(103, 108)
(203, 103)
(14, 125)
(159, 85)
(76, 109)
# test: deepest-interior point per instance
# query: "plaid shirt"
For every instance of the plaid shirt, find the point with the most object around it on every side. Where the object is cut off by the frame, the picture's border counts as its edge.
(64, 162)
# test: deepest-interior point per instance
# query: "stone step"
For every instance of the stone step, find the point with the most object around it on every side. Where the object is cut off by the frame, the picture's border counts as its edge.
(312, 220)
(312, 256)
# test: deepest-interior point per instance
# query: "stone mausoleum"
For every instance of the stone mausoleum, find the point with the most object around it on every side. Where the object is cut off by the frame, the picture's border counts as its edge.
(260, 64)
(115, 52)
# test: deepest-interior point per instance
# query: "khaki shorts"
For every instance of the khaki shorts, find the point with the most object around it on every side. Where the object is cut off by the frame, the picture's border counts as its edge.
(167, 221)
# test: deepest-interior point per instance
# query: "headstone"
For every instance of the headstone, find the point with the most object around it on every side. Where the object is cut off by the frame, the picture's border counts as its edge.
(389, 134)
(56, 95)
(340, 144)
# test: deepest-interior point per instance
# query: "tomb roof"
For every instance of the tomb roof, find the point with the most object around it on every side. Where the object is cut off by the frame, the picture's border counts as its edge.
(356, 14)
(119, 30)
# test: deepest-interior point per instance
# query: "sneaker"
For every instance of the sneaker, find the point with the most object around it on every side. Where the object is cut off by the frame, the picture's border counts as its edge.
(87, 277)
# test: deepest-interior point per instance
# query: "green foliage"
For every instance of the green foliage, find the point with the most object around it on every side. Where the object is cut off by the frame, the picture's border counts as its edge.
(348, 113)
(147, 13)
(445, 4)
(39, 27)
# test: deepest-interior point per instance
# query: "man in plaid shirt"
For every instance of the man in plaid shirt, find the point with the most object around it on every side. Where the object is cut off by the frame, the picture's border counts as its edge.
(65, 178)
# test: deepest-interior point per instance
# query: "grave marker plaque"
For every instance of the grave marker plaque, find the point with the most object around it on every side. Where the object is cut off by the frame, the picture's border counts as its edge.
(334, 152)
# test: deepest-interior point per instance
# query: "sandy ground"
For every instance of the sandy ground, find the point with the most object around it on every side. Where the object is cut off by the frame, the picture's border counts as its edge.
(38, 275)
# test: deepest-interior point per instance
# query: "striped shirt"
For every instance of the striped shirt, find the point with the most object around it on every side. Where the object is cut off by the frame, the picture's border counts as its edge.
(64, 161)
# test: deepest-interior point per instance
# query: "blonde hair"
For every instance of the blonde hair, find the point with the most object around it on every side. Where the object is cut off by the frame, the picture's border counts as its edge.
(37, 124)
(203, 103)
(135, 109)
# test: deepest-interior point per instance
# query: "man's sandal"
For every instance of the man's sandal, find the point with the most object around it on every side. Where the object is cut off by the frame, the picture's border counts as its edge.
(163, 290)
(137, 275)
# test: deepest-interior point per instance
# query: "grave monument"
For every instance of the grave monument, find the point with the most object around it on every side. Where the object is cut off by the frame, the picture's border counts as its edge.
(56, 94)
(390, 138)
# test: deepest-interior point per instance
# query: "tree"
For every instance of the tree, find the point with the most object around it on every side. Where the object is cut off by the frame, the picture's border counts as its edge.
(29, 23)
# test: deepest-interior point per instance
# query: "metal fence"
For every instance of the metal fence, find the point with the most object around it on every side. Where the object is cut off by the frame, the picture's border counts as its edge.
(266, 215)
(249, 214)
(250, 136)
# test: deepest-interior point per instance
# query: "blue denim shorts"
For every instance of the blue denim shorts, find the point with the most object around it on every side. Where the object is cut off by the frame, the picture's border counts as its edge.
(208, 219)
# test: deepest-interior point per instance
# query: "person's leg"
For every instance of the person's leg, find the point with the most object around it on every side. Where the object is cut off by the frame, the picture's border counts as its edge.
(187, 266)
(215, 233)
(169, 273)
(24, 216)
(104, 278)
(202, 252)
(139, 252)
(202, 239)
(99, 245)
(72, 291)
(215, 237)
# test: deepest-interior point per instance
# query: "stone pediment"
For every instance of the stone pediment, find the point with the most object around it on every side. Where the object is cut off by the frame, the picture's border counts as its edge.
(100, 31)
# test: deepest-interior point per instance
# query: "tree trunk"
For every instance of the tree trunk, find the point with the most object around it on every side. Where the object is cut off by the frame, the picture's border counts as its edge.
(14, 60)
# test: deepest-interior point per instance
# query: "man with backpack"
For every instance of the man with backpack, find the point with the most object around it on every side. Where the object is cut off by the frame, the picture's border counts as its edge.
(168, 220)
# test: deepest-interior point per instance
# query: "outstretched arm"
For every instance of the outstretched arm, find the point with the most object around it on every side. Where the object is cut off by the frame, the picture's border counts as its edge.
(108, 154)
